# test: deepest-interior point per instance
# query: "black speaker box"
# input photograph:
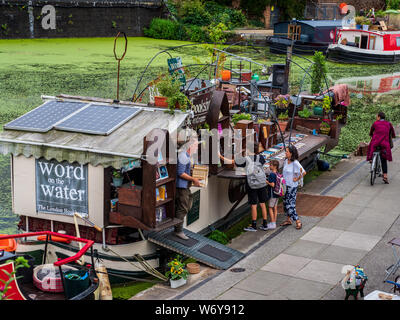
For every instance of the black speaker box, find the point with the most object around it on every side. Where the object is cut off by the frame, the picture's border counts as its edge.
(278, 75)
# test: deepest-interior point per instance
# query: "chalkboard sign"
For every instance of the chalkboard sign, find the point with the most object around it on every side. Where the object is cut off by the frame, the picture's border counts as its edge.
(61, 187)
(194, 212)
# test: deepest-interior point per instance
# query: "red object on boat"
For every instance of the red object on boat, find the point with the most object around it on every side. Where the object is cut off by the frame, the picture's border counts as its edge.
(13, 292)
(9, 245)
(246, 75)
(75, 257)
(54, 238)
(160, 101)
(226, 75)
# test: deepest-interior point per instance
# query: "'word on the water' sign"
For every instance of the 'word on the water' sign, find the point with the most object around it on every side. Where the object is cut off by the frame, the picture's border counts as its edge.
(61, 187)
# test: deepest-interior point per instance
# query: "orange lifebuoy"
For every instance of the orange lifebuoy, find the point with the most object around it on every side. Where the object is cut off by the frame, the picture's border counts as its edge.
(54, 238)
(8, 244)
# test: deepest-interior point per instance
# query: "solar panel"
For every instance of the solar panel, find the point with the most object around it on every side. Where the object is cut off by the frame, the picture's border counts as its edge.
(44, 117)
(98, 119)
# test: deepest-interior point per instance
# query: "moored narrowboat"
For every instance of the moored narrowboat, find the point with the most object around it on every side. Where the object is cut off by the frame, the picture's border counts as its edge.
(366, 47)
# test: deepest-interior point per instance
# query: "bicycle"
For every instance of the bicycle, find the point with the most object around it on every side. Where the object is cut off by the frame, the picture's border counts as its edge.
(376, 168)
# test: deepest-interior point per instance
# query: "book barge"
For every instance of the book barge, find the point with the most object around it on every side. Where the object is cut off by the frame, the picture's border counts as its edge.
(67, 167)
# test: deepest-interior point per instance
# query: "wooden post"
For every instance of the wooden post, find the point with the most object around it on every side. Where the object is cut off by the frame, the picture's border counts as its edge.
(285, 88)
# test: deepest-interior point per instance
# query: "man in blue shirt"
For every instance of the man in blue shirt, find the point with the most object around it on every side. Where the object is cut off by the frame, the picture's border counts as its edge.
(184, 180)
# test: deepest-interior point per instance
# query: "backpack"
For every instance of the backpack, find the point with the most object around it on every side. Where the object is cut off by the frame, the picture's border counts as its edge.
(256, 177)
(280, 185)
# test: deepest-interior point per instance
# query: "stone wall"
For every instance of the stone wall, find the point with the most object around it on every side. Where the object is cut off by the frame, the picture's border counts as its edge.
(20, 20)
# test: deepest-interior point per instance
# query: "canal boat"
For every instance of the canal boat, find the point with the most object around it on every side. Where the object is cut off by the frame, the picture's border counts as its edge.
(365, 47)
(306, 36)
(65, 156)
(64, 279)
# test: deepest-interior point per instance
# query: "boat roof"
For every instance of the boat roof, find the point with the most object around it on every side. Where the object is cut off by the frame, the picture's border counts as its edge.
(115, 149)
(316, 23)
(90, 3)
(379, 32)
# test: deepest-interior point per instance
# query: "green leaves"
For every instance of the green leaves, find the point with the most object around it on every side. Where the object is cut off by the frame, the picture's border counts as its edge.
(319, 69)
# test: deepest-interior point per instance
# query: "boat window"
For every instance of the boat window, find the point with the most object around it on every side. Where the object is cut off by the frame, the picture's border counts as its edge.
(357, 41)
(398, 41)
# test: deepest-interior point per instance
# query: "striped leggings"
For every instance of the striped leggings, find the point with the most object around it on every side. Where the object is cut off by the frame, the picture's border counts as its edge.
(289, 203)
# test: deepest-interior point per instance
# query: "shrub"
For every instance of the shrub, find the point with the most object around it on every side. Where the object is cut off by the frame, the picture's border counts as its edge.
(193, 12)
(197, 34)
(318, 72)
(165, 29)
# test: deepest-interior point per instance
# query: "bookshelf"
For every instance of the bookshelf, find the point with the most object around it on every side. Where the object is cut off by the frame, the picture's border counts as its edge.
(138, 207)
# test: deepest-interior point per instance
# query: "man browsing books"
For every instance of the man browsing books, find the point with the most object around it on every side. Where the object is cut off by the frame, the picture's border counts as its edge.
(184, 180)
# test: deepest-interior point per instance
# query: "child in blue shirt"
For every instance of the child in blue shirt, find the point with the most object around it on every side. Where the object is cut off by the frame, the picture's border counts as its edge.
(273, 198)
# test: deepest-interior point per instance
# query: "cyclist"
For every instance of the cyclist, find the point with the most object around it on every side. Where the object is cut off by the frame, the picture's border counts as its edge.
(381, 132)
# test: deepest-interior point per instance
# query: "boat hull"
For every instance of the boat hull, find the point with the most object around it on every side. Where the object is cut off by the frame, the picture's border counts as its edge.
(121, 267)
(360, 56)
(279, 46)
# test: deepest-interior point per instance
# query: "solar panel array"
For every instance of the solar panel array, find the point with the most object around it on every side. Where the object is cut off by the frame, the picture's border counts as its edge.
(44, 117)
(98, 119)
(75, 117)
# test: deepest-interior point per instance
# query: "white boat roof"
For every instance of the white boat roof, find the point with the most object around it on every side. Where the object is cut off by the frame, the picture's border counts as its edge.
(126, 142)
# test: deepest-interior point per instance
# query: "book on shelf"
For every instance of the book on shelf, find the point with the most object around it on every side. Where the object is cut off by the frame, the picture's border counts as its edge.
(161, 193)
(161, 214)
(163, 172)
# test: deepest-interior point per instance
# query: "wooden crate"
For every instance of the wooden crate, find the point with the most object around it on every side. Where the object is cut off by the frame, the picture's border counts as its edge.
(131, 196)
(201, 172)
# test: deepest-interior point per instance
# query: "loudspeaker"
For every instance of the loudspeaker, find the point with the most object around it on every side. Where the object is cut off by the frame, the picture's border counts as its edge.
(278, 75)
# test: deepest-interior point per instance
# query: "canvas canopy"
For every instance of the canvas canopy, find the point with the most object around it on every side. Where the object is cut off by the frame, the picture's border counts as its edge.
(116, 149)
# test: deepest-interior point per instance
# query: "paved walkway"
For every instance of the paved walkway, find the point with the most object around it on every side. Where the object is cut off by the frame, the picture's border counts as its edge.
(307, 264)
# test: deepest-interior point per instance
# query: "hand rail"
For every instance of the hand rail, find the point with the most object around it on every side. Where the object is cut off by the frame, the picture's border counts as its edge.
(75, 257)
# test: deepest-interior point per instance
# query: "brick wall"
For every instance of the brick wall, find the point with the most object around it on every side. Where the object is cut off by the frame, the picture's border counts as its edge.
(20, 21)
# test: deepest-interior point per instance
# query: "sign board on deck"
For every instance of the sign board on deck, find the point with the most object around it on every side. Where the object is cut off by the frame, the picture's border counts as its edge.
(175, 66)
(61, 187)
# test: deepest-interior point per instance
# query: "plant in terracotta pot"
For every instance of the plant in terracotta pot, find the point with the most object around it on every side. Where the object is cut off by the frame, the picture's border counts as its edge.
(325, 127)
(170, 88)
(283, 120)
(177, 272)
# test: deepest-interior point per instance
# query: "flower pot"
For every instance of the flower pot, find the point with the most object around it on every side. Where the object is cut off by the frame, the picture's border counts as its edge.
(283, 125)
(358, 26)
(325, 130)
(193, 268)
(117, 182)
(318, 111)
(160, 102)
(365, 27)
(177, 283)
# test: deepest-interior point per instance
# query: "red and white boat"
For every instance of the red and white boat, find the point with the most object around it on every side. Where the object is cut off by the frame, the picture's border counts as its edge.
(362, 46)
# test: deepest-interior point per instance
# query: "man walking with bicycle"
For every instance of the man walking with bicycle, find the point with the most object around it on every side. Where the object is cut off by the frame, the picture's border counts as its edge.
(381, 133)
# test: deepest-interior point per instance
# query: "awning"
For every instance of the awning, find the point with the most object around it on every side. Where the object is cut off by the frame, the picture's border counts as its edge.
(125, 143)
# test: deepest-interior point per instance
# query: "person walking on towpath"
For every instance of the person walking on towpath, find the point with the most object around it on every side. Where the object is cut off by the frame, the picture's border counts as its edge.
(381, 133)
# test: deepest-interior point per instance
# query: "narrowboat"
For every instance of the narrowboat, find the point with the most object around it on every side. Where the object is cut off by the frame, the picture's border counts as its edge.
(307, 36)
(365, 47)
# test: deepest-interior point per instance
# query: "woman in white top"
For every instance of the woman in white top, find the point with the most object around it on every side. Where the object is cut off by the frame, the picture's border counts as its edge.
(292, 173)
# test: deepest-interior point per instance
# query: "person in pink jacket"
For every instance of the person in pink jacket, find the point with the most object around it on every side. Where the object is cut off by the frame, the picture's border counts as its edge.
(381, 131)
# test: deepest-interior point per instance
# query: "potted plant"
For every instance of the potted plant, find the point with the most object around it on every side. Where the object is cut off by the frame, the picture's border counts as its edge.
(305, 113)
(177, 273)
(117, 178)
(325, 127)
(317, 108)
(366, 23)
(282, 103)
(170, 89)
(359, 22)
(240, 116)
(327, 104)
(283, 120)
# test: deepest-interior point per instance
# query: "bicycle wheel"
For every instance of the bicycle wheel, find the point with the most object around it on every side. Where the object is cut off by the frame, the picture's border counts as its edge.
(373, 169)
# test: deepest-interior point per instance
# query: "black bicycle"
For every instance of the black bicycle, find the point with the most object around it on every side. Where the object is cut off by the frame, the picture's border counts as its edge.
(376, 168)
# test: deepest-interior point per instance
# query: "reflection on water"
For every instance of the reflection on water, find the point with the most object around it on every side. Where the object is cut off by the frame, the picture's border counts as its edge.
(378, 84)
